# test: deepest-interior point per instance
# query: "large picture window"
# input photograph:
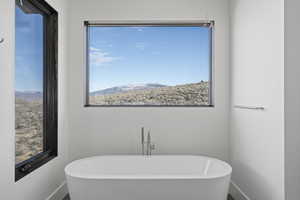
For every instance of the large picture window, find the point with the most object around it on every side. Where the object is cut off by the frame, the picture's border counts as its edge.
(149, 64)
(35, 85)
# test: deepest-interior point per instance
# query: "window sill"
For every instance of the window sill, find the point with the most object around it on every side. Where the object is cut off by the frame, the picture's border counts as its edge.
(166, 106)
(26, 167)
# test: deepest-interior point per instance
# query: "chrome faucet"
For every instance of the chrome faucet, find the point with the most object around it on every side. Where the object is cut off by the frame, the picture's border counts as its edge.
(150, 146)
(143, 141)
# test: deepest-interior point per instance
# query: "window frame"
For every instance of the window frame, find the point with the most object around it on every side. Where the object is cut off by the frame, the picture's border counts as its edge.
(143, 23)
(50, 87)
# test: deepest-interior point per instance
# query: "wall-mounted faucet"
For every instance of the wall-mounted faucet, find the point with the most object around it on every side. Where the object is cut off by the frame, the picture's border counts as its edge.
(150, 146)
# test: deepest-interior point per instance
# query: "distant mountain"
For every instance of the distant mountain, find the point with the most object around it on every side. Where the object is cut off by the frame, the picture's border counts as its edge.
(125, 88)
(29, 95)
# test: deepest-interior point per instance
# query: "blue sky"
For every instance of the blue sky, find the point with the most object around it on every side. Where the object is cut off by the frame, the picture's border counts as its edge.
(119, 55)
(29, 51)
(137, 55)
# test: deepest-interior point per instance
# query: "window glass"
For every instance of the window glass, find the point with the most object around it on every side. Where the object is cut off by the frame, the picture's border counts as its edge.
(29, 84)
(149, 65)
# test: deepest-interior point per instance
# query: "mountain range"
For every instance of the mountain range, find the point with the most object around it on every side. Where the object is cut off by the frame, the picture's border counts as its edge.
(36, 95)
(126, 88)
(29, 95)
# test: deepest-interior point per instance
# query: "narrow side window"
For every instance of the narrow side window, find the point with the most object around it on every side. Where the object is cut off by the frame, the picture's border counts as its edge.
(35, 85)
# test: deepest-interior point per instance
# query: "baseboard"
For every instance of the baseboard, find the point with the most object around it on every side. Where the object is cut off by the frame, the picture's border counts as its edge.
(236, 192)
(59, 193)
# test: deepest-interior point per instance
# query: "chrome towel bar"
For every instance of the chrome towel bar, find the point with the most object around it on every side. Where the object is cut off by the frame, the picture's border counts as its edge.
(250, 107)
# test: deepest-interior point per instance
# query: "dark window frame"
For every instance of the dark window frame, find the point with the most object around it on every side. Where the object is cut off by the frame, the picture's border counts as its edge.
(50, 86)
(206, 23)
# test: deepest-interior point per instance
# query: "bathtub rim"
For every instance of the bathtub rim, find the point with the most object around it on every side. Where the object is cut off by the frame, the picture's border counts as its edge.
(163, 177)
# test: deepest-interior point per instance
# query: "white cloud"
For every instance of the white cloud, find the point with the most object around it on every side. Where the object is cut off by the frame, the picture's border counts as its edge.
(94, 49)
(156, 52)
(99, 57)
(141, 45)
(140, 29)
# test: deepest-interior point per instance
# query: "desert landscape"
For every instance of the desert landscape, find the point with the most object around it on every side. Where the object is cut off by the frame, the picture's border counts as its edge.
(29, 108)
(28, 125)
(154, 94)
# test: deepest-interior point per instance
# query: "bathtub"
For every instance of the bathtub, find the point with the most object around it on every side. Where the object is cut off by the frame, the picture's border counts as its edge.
(148, 178)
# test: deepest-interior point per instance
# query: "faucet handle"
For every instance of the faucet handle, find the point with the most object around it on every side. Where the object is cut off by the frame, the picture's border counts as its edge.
(152, 146)
(149, 137)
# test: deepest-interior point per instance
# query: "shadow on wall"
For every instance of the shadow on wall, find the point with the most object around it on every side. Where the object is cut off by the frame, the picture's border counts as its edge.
(253, 180)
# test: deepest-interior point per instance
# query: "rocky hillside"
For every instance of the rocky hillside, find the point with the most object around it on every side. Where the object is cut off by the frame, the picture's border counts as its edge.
(188, 94)
(28, 126)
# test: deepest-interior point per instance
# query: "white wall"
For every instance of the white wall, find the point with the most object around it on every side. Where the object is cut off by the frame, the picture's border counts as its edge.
(257, 137)
(95, 131)
(42, 182)
(292, 99)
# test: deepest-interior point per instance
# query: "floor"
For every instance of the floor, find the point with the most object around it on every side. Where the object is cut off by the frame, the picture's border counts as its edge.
(68, 198)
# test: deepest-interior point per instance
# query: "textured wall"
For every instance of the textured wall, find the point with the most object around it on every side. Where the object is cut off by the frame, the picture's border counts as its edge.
(95, 131)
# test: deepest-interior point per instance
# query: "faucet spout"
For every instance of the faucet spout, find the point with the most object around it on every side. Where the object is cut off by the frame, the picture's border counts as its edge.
(148, 143)
(149, 146)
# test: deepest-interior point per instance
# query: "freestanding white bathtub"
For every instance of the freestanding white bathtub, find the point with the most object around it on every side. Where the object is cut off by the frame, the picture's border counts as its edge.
(148, 178)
